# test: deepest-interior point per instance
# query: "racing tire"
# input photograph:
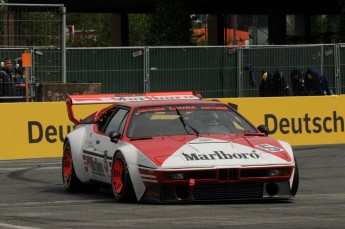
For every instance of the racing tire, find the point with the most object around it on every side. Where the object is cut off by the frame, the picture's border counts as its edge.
(121, 183)
(71, 183)
(295, 181)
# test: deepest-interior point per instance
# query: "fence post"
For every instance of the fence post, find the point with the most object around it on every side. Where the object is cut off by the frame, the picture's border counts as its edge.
(239, 72)
(337, 70)
(147, 70)
(63, 44)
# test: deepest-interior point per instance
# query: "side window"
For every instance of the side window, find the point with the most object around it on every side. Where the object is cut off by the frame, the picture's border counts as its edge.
(117, 122)
(104, 120)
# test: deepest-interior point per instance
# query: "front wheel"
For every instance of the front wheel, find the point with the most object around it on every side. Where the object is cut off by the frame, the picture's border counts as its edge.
(120, 180)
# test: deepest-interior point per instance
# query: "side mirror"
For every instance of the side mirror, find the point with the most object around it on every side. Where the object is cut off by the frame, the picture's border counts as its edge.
(114, 136)
(264, 129)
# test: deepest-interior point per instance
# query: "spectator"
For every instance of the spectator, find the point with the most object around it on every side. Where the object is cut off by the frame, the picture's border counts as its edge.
(266, 84)
(252, 79)
(19, 79)
(297, 82)
(280, 87)
(273, 85)
(7, 85)
(316, 83)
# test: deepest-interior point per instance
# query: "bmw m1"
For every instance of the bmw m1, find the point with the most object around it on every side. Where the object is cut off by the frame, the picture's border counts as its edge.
(174, 147)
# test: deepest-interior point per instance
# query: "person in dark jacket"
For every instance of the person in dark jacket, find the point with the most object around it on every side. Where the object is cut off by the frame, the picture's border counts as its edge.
(266, 84)
(280, 87)
(316, 83)
(7, 84)
(19, 79)
(298, 82)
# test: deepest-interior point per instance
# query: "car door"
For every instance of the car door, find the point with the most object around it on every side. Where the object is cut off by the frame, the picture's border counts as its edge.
(103, 148)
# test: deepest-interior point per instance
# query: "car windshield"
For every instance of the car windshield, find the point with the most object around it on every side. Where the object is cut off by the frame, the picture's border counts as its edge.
(187, 119)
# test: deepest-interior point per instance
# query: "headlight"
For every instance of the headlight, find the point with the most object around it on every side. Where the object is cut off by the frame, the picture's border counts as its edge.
(278, 172)
(274, 172)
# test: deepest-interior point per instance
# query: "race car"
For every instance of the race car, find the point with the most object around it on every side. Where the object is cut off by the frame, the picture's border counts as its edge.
(174, 147)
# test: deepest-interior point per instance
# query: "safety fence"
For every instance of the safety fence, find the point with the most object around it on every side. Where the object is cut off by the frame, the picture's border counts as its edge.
(214, 71)
(38, 29)
(47, 68)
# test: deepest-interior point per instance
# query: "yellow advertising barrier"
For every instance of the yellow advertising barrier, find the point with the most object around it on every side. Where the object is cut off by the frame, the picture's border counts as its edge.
(309, 120)
(37, 130)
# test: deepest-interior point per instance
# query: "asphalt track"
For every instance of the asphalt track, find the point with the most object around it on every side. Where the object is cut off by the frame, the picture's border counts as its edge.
(32, 196)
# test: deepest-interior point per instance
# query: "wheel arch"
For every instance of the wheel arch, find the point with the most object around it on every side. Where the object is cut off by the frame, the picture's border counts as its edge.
(132, 160)
(294, 180)
(287, 148)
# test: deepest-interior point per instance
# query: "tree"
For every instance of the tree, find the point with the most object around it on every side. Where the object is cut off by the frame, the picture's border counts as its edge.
(341, 23)
(170, 24)
(138, 29)
(319, 28)
(86, 23)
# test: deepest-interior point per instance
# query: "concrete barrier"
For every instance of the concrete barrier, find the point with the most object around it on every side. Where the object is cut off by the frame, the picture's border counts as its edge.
(52, 92)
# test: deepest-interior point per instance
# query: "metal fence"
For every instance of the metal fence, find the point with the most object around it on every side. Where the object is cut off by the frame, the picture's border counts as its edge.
(39, 29)
(321, 58)
(117, 69)
(214, 71)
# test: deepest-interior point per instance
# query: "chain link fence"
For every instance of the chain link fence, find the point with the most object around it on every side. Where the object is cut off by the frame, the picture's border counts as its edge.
(39, 29)
(211, 70)
(214, 71)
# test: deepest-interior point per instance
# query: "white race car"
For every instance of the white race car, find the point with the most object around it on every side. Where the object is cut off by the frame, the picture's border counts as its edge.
(174, 147)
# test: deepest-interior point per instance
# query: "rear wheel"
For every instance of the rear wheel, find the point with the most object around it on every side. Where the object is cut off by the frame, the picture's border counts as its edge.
(295, 181)
(71, 182)
(120, 180)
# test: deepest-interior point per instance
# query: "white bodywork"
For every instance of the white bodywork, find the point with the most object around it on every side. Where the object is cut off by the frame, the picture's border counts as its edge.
(200, 153)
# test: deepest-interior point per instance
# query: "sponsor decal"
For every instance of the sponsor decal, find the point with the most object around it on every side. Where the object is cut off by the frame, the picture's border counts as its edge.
(270, 148)
(215, 108)
(220, 155)
(181, 108)
(173, 108)
(86, 160)
(154, 109)
(147, 98)
(105, 161)
(95, 166)
(119, 98)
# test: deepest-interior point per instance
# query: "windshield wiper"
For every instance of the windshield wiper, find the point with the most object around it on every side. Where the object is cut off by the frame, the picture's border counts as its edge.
(185, 123)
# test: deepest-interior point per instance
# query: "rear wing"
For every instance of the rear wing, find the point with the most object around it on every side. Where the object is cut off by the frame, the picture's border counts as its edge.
(124, 97)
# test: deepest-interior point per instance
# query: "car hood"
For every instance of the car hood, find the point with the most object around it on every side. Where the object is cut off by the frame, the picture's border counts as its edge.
(213, 151)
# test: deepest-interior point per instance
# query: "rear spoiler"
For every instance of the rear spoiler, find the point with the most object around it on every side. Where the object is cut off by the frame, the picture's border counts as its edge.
(124, 97)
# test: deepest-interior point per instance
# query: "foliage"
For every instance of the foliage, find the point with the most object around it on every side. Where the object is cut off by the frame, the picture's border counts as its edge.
(170, 24)
(318, 28)
(41, 29)
(87, 23)
(138, 29)
(341, 23)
